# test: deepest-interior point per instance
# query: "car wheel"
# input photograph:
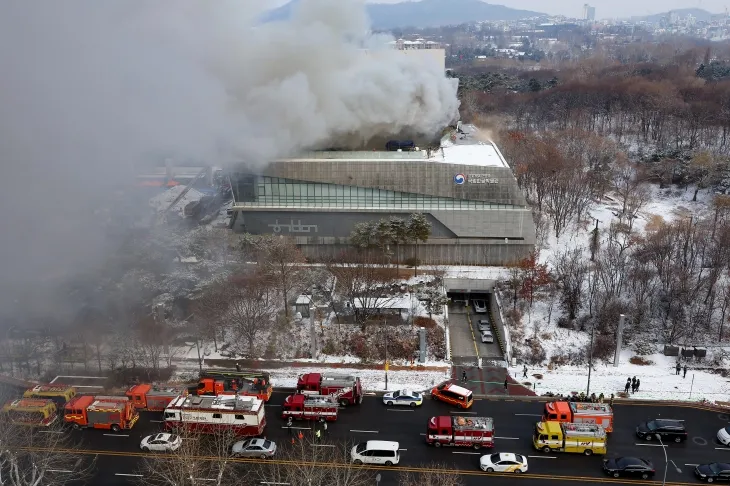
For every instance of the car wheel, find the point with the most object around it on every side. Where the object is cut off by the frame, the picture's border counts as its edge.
(588, 452)
(263, 456)
(546, 449)
(477, 446)
(146, 449)
(344, 403)
(459, 405)
(648, 436)
(76, 426)
(518, 471)
(390, 404)
(490, 469)
(616, 474)
(437, 444)
(645, 476)
(115, 428)
(710, 480)
(357, 461)
(677, 440)
(414, 404)
(388, 463)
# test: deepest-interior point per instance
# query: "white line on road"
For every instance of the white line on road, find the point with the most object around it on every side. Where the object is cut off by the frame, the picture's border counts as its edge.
(298, 428)
(652, 445)
(422, 434)
(402, 449)
(463, 413)
(691, 464)
(543, 457)
(59, 470)
(399, 410)
(51, 431)
(272, 405)
(323, 445)
(129, 475)
(157, 421)
(471, 453)
(117, 435)
(508, 438)
(528, 415)
(364, 431)
(722, 449)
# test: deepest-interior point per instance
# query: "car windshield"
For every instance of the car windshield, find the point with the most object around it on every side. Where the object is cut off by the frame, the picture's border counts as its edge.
(727, 429)
(715, 467)
(158, 437)
(396, 394)
(519, 458)
(494, 458)
(267, 444)
(651, 425)
(628, 461)
(361, 447)
(173, 438)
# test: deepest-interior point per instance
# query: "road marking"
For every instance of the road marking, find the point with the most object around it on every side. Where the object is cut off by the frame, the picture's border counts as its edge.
(722, 449)
(463, 413)
(528, 415)
(364, 431)
(156, 421)
(59, 470)
(298, 428)
(691, 464)
(471, 453)
(117, 435)
(673, 420)
(323, 445)
(51, 431)
(422, 434)
(402, 449)
(652, 445)
(399, 410)
(370, 394)
(543, 457)
(273, 405)
(129, 475)
(205, 479)
(277, 484)
(508, 438)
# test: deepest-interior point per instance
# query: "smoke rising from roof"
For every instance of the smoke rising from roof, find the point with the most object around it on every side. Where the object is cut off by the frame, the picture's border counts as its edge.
(92, 88)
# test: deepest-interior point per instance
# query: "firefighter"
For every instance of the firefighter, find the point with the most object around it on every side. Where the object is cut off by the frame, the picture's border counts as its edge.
(318, 435)
(238, 367)
(324, 427)
(289, 424)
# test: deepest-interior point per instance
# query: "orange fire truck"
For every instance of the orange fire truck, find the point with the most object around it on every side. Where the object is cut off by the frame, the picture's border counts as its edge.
(347, 387)
(95, 412)
(310, 407)
(244, 415)
(476, 432)
(31, 411)
(152, 397)
(580, 413)
(253, 383)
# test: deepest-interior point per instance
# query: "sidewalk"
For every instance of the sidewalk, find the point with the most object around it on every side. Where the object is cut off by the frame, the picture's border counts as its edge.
(275, 364)
(489, 381)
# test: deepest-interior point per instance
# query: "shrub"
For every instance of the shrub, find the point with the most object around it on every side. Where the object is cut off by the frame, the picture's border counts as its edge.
(358, 346)
(535, 354)
(641, 361)
(329, 347)
(436, 342)
(603, 347)
(411, 262)
(644, 347)
(546, 336)
(559, 360)
(564, 323)
(426, 322)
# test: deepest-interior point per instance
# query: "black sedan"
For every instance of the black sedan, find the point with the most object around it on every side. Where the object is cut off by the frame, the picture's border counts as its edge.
(629, 467)
(717, 471)
(668, 430)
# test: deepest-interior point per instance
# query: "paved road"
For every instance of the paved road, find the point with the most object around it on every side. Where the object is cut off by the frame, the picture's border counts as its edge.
(514, 421)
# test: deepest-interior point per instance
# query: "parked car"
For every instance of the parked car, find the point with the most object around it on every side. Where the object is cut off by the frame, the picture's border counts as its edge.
(484, 325)
(668, 430)
(503, 462)
(487, 337)
(161, 443)
(629, 467)
(403, 397)
(480, 307)
(383, 452)
(261, 448)
(723, 435)
(716, 471)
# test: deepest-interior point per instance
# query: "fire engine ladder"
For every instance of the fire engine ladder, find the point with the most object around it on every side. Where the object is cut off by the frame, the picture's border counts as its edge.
(200, 175)
(343, 391)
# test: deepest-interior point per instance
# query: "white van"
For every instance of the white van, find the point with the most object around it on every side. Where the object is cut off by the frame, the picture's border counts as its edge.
(376, 452)
(480, 307)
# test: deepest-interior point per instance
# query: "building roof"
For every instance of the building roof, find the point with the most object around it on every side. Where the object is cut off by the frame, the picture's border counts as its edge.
(221, 402)
(383, 303)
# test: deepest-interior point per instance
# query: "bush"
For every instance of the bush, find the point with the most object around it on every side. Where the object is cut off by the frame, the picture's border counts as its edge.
(436, 342)
(358, 346)
(644, 347)
(329, 347)
(412, 262)
(564, 323)
(535, 354)
(559, 360)
(641, 361)
(426, 322)
(603, 347)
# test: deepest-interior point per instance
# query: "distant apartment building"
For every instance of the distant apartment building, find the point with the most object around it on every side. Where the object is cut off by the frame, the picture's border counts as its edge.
(420, 48)
(589, 12)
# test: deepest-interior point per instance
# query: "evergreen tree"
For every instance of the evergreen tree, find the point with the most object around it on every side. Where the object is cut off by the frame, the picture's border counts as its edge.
(419, 229)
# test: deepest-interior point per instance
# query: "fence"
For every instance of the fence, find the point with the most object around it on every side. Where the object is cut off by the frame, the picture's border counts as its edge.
(502, 332)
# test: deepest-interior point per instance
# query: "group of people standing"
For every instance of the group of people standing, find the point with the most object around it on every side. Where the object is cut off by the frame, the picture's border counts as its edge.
(633, 384)
(678, 368)
(319, 432)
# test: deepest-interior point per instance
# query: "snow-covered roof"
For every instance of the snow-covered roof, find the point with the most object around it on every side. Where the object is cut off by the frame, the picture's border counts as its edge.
(384, 303)
(303, 300)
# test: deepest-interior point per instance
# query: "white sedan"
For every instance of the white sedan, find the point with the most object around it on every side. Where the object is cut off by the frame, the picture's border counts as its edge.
(161, 443)
(403, 397)
(503, 462)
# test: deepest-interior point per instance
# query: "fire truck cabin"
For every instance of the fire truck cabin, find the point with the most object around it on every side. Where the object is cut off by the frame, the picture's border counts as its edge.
(153, 398)
(242, 414)
(310, 407)
(255, 383)
(347, 388)
(60, 394)
(31, 411)
(580, 413)
(449, 430)
(108, 413)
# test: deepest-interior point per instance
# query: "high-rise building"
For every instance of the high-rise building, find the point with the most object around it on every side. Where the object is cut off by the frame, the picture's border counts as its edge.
(589, 13)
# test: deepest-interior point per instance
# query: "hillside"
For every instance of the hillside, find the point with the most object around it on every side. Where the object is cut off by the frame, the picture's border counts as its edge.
(426, 13)
(698, 13)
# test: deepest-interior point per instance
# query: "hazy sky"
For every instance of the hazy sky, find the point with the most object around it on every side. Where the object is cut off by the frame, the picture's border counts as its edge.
(604, 8)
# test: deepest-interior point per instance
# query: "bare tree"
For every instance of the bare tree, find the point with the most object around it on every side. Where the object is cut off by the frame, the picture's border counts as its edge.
(252, 308)
(571, 271)
(568, 194)
(305, 463)
(431, 475)
(209, 309)
(201, 459)
(279, 257)
(33, 457)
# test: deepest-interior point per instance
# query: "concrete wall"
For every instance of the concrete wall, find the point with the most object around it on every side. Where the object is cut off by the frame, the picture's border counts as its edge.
(502, 332)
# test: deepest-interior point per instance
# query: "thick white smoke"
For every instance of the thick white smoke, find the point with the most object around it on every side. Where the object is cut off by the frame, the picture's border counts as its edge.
(90, 88)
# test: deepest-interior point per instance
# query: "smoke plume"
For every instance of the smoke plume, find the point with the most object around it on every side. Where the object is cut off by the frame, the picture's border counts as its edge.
(92, 88)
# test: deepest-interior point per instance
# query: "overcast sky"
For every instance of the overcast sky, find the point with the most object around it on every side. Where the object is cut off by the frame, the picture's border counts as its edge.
(604, 8)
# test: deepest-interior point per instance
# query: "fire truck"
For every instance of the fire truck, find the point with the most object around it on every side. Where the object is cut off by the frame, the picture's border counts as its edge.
(60, 394)
(255, 383)
(310, 407)
(152, 397)
(585, 439)
(97, 412)
(476, 432)
(580, 413)
(31, 411)
(327, 384)
(244, 415)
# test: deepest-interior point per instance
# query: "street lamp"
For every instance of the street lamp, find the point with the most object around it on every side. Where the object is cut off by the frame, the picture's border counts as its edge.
(666, 460)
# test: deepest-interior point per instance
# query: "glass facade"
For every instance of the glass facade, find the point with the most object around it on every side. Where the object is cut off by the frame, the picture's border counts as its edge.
(264, 191)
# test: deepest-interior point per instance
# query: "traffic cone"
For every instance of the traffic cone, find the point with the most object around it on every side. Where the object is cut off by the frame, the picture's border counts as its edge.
(292, 440)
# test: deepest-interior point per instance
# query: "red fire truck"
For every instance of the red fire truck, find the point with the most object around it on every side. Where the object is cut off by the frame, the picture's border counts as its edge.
(152, 397)
(254, 383)
(347, 387)
(95, 412)
(476, 432)
(241, 414)
(310, 407)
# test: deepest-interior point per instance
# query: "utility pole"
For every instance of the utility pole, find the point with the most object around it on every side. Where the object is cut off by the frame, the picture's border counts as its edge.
(385, 325)
(590, 361)
(312, 333)
(619, 339)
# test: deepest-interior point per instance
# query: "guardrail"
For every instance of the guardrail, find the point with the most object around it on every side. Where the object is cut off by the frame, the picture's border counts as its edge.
(495, 311)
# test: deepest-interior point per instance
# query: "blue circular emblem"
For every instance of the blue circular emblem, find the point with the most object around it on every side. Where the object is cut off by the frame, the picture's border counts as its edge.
(459, 179)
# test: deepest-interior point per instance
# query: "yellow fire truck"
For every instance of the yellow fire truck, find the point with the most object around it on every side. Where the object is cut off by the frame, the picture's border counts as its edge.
(585, 439)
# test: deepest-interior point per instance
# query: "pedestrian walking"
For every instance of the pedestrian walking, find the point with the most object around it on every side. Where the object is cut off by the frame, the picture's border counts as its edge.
(506, 390)
(463, 375)
(628, 385)
(610, 402)
(685, 372)
(638, 384)
(238, 366)
(524, 372)
(678, 368)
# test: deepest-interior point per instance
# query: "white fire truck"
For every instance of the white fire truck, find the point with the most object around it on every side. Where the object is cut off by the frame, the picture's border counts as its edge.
(476, 432)
(311, 407)
(244, 415)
